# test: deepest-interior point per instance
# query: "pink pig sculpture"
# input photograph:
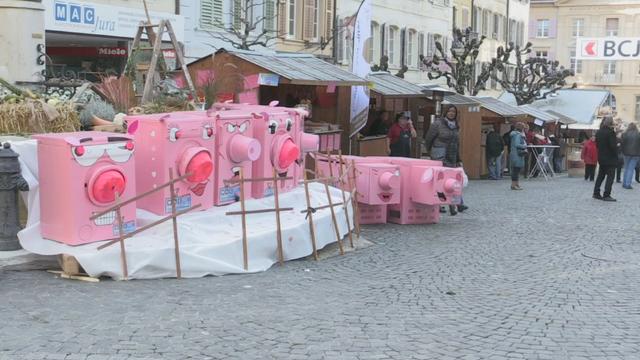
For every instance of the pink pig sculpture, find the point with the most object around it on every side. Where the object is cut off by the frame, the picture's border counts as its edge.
(80, 175)
(184, 142)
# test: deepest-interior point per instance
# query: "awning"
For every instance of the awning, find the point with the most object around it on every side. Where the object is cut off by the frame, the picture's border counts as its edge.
(300, 69)
(539, 114)
(457, 99)
(499, 107)
(389, 85)
(563, 119)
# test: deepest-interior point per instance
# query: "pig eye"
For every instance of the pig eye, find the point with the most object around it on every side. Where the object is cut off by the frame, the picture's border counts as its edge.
(243, 127)
(87, 155)
(273, 126)
(120, 152)
(231, 128)
(289, 124)
(207, 132)
(174, 134)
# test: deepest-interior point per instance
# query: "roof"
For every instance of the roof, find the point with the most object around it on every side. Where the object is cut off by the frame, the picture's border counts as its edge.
(457, 99)
(538, 114)
(499, 107)
(299, 69)
(563, 119)
(581, 105)
(389, 85)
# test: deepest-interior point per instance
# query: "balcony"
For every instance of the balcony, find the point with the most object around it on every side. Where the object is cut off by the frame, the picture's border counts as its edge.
(602, 78)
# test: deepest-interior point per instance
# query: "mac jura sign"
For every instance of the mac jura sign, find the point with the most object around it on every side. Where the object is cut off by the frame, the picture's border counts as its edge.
(87, 18)
(608, 48)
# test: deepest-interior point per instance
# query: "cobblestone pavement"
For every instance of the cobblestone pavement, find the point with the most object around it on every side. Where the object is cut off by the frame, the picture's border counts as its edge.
(545, 273)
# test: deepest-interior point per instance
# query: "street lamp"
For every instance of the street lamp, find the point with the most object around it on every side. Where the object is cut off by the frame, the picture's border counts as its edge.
(457, 48)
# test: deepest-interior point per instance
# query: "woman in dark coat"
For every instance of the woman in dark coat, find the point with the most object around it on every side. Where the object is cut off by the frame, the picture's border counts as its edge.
(443, 142)
(607, 159)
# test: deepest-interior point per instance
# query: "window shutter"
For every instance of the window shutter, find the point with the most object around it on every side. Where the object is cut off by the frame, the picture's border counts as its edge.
(307, 21)
(329, 19)
(340, 41)
(282, 18)
(269, 15)
(237, 14)
(421, 44)
(430, 45)
(211, 13)
(403, 47)
(383, 40)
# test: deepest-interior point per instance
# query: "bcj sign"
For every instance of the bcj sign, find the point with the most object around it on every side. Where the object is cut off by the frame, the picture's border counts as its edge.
(609, 48)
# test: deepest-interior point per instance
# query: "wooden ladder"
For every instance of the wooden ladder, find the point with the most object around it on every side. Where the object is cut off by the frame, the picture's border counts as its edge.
(156, 40)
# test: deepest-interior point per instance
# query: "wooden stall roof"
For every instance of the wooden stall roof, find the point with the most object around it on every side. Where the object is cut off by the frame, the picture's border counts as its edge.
(298, 69)
(501, 108)
(457, 99)
(563, 119)
(389, 85)
(539, 114)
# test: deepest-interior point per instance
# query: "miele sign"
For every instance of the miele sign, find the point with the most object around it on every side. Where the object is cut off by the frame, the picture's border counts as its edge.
(84, 17)
(608, 48)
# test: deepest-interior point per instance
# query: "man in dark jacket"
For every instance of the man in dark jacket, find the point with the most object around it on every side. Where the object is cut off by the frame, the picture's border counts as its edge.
(494, 147)
(607, 158)
(631, 152)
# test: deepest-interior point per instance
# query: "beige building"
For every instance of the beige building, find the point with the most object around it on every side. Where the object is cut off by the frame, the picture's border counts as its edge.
(306, 26)
(554, 27)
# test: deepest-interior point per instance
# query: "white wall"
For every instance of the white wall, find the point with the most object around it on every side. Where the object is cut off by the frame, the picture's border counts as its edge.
(423, 16)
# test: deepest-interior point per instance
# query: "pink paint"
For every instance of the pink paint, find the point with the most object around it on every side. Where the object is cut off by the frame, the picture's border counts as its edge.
(203, 77)
(184, 142)
(248, 97)
(80, 174)
(438, 185)
(372, 214)
(251, 81)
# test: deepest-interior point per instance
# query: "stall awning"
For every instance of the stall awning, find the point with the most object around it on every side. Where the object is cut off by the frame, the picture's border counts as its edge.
(457, 99)
(539, 114)
(389, 85)
(563, 119)
(300, 69)
(499, 107)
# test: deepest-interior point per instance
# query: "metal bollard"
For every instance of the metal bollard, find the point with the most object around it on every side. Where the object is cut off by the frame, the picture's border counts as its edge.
(10, 183)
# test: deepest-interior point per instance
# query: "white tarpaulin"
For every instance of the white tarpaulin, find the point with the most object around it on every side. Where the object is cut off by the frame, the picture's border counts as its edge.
(210, 241)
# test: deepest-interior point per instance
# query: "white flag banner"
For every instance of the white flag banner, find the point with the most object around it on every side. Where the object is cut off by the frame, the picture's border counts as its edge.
(360, 67)
(608, 48)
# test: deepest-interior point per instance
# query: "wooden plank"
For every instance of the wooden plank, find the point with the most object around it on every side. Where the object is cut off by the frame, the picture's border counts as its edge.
(354, 199)
(245, 245)
(69, 264)
(148, 226)
(123, 253)
(333, 217)
(276, 199)
(231, 182)
(310, 216)
(174, 199)
(180, 59)
(344, 197)
(148, 84)
(259, 211)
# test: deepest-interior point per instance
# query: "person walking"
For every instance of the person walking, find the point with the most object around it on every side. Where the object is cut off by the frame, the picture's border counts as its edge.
(631, 152)
(494, 147)
(620, 163)
(607, 159)
(589, 155)
(443, 141)
(400, 135)
(506, 137)
(517, 155)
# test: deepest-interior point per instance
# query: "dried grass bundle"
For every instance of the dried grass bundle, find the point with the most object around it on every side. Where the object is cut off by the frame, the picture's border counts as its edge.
(226, 79)
(35, 116)
(118, 91)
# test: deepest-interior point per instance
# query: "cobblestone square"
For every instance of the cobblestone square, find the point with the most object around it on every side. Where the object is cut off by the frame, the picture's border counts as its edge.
(545, 273)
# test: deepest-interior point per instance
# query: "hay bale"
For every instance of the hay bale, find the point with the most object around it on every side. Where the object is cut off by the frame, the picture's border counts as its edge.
(36, 116)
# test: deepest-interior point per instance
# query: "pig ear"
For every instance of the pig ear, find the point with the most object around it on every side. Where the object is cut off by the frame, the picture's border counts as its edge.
(132, 127)
(274, 103)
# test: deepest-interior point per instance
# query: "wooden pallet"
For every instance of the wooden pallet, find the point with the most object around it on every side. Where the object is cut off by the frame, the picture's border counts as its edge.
(71, 269)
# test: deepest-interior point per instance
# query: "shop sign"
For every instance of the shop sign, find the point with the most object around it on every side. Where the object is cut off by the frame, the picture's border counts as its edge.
(608, 48)
(267, 79)
(104, 20)
(87, 51)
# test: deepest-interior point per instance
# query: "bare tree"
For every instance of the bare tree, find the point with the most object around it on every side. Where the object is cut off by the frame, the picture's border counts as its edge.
(457, 63)
(528, 78)
(247, 30)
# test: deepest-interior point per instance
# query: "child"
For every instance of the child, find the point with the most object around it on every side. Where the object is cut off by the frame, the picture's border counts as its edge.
(590, 157)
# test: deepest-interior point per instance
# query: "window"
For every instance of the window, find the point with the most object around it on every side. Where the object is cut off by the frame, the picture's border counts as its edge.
(211, 13)
(637, 108)
(420, 47)
(465, 19)
(242, 16)
(374, 43)
(496, 26)
(392, 51)
(576, 65)
(329, 19)
(612, 27)
(310, 20)
(316, 17)
(476, 19)
(610, 68)
(270, 15)
(291, 18)
(578, 27)
(543, 28)
(543, 54)
(411, 48)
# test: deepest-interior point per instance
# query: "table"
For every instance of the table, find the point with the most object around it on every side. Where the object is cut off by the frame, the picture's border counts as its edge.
(542, 164)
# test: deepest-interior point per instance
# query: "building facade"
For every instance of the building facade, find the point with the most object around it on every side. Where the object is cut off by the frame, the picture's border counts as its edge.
(401, 30)
(307, 26)
(556, 24)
